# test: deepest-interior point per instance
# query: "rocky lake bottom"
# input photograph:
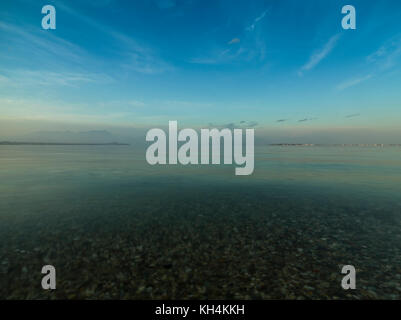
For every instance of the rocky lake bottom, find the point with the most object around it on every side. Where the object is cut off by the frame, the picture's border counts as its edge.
(201, 241)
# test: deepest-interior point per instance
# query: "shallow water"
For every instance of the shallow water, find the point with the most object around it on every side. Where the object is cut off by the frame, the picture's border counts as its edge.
(117, 228)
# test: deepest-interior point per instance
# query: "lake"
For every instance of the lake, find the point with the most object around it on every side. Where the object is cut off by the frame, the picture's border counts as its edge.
(115, 227)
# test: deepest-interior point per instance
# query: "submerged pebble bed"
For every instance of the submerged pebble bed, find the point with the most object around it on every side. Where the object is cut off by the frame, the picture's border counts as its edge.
(209, 242)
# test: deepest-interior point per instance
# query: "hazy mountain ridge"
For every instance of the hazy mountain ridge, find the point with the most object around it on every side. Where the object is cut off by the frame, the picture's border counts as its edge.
(93, 136)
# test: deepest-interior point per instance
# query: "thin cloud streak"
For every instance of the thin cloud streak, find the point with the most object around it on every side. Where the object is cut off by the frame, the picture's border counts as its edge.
(353, 82)
(26, 77)
(317, 57)
(44, 48)
(253, 25)
(386, 56)
(139, 58)
(306, 119)
(234, 40)
(353, 115)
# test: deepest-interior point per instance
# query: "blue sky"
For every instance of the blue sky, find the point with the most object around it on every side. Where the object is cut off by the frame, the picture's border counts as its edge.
(280, 64)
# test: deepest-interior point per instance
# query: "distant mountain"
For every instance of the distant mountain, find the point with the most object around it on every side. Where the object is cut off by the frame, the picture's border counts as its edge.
(95, 136)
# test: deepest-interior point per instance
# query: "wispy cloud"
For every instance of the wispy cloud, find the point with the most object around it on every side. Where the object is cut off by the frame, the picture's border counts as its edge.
(27, 77)
(135, 56)
(387, 55)
(384, 58)
(204, 61)
(353, 82)
(319, 55)
(57, 61)
(225, 56)
(234, 125)
(256, 52)
(246, 47)
(57, 110)
(47, 49)
(56, 53)
(306, 119)
(234, 40)
(353, 115)
(185, 104)
(121, 104)
(257, 19)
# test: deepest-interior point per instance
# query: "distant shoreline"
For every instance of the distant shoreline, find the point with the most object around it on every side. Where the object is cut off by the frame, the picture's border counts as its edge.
(335, 145)
(13, 143)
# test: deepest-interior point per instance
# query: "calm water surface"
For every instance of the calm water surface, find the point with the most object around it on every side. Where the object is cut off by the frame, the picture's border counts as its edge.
(116, 227)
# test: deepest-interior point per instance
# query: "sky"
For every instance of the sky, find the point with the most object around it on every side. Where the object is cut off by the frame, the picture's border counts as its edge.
(285, 67)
